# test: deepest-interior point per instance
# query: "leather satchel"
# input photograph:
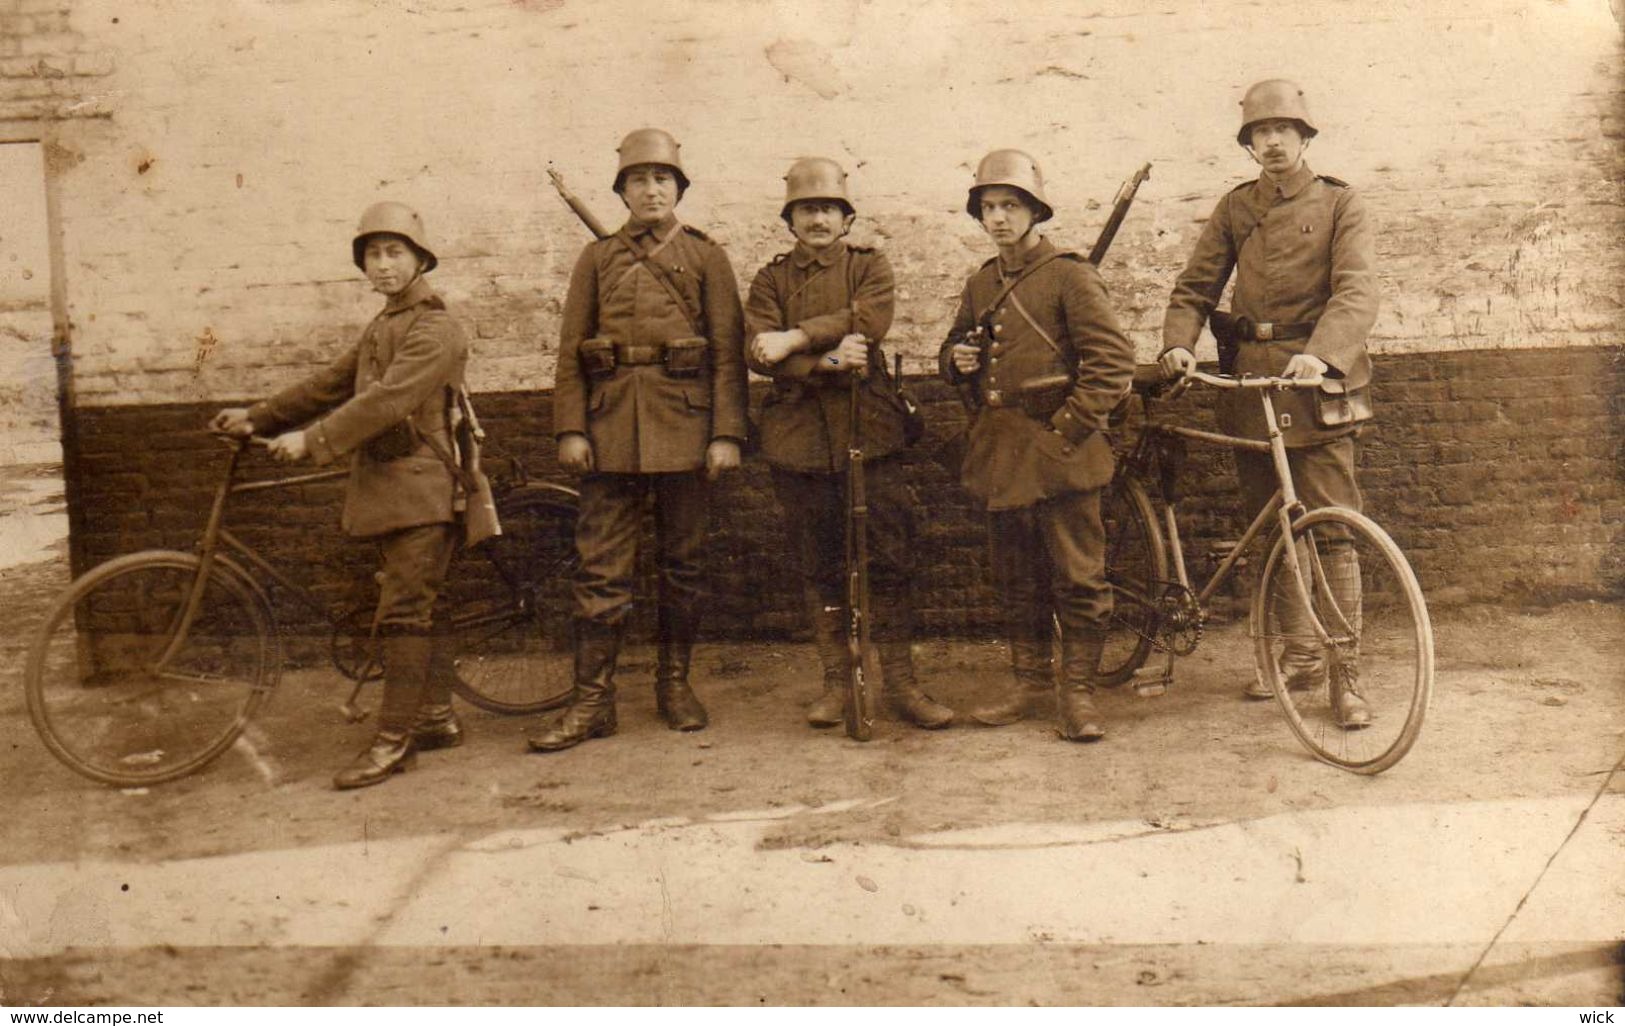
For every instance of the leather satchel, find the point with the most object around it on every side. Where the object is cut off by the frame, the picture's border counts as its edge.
(1336, 406)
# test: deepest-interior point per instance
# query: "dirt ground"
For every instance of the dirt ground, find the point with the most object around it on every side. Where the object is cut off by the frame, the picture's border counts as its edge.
(1529, 704)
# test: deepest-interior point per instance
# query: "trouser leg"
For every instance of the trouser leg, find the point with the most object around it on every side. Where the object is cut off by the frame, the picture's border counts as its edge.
(591, 712)
(1075, 541)
(681, 515)
(1021, 578)
(891, 591)
(415, 561)
(606, 542)
(1323, 475)
(814, 513)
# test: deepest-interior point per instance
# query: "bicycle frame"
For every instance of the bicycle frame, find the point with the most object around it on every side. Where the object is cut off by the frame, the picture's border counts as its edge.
(215, 534)
(1283, 508)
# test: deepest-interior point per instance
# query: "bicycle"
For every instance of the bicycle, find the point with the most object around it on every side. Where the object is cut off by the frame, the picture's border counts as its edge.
(1367, 618)
(150, 665)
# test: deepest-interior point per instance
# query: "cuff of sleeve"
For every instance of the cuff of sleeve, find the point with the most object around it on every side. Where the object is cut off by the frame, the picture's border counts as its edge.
(819, 341)
(316, 441)
(1180, 330)
(261, 417)
(1070, 426)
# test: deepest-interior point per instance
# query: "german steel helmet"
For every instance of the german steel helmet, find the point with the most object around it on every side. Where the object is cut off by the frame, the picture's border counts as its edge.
(1274, 98)
(815, 178)
(391, 218)
(649, 146)
(1015, 169)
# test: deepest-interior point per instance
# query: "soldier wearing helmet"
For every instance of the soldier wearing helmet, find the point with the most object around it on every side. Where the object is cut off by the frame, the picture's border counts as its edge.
(1037, 336)
(649, 399)
(383, 406)
(815, 316)
(1305, 298)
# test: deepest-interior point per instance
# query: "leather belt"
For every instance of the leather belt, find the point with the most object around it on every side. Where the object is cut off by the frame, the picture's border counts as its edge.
(630, 354)
(1249, 330)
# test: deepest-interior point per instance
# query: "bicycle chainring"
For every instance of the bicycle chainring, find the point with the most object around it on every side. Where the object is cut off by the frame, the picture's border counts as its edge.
(1182, 620)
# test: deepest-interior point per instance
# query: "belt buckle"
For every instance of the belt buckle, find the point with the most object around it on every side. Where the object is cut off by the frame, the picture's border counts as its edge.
(1265, 332)
(994, 398)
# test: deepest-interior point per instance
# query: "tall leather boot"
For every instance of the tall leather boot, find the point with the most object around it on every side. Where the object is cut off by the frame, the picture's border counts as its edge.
(829, 638)
(1076, 716)
(1343, 576)
(1029, 694)
(1303, 664)
(437, 724)
(903, 695)
(591, 712)
(406, 668)
(674, 699)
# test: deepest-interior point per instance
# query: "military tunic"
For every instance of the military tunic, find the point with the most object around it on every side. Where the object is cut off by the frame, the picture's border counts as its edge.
(641, 420)
(1058, 321)
(806, 418)
(806, 424)
(1307, 256)
(649, 429)
(1039, 470)
(406, 365)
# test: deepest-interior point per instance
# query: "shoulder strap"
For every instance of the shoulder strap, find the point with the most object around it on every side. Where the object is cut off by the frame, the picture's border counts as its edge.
(660, 275)
(1026, 272)
(1249, 222)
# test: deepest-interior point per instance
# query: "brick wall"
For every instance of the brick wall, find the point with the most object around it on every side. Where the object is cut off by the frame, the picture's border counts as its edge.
(1492, 497)
(207, 161)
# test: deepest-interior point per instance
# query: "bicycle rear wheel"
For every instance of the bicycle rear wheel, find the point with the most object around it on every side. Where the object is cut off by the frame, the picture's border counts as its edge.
(511, 606)
(1365, 596)
(1136, 567)
(130, 683)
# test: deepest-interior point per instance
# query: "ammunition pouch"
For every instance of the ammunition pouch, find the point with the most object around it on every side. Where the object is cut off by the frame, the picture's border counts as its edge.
(393, 443)
(597, 358)
(1336, 406)
(685, 357)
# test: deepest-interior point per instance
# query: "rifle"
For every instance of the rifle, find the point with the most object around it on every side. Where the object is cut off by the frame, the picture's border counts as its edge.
(970, 393)
(859, 710)
(1125, 197)
(574, 202)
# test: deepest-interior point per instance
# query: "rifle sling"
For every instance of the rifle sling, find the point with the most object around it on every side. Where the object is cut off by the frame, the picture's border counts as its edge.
(659, 273)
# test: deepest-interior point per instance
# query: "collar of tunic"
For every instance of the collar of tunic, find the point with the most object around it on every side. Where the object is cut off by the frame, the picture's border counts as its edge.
(1043, 248)
(1287, 187)
(804, 257)
(410, 296)
(647, 234)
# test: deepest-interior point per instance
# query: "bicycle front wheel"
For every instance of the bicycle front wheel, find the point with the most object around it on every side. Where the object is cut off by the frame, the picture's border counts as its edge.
(1136, 569)
(511, 607)
(134, 679)
(1356, 690)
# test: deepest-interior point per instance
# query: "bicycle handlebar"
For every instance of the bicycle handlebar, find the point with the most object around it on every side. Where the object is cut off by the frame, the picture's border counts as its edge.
(1249, 381)
(241, 441)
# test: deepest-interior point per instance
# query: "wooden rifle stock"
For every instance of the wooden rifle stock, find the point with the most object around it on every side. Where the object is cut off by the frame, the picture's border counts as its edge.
(574, 203)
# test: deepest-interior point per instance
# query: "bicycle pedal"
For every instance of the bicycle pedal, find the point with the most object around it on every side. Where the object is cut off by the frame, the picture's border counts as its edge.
(1149, 683)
